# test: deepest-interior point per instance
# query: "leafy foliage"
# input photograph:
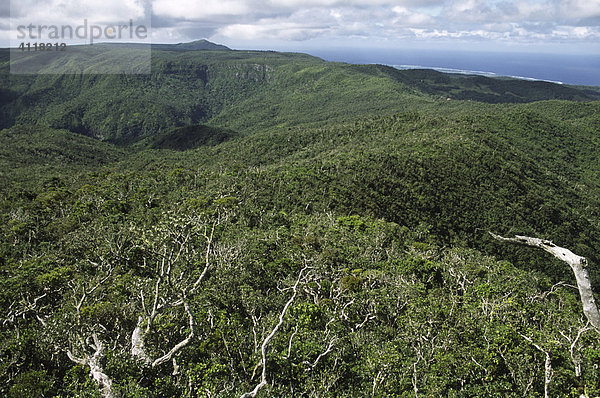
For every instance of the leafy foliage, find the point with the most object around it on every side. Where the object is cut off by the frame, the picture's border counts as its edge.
(347, 220)
(246, 91)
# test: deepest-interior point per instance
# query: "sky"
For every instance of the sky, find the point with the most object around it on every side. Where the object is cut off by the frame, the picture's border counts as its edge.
(554, 26)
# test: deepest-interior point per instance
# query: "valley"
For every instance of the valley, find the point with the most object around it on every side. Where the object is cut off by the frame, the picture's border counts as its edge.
(245, 222)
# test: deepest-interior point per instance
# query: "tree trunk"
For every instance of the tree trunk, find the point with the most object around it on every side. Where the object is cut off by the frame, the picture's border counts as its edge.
(96, 371)
(578, 264)
(138, 349)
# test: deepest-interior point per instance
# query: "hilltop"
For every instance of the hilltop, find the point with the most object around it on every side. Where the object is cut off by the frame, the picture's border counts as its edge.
(191, 46)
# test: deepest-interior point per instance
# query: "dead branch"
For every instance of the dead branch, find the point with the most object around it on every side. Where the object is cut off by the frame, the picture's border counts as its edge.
(548, 372)
(209, 241)
(573, 345)
(578, 264)
(96, 372)
(86, 293)
(322, 354)
(267, 340)
(168, 356)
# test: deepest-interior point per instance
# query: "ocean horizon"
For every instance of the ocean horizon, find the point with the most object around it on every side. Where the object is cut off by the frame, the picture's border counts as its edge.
(557, 68)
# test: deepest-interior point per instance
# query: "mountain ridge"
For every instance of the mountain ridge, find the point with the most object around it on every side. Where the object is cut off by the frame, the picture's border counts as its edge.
(222, 87)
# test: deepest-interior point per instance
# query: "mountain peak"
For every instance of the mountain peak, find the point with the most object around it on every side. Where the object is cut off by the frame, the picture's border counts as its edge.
(200, 45)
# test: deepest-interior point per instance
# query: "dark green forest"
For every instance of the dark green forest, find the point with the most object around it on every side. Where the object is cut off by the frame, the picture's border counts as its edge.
(241, 223)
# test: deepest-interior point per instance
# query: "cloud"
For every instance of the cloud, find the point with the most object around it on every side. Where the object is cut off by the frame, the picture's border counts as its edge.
(181, 32)
(46, 19)
(274, 30)
(287, 19)
(578, 32)
(193, 9)
(406, 17)
(567, 12)
(71, 12)
(326, 20)
(580, 9)
(479, 11)
(4, 9)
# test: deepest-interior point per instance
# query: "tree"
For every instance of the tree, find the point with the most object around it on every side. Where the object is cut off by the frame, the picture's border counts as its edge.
(578, 264)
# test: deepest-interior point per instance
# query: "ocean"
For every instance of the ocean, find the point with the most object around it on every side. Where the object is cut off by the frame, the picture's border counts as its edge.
(560, 68)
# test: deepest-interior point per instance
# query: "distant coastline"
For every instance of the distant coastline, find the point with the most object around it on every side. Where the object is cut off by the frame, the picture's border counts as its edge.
(568, 69)
(472, 72)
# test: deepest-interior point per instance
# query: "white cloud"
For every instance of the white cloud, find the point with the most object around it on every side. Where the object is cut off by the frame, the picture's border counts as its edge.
(406, 17)
(273, 30)
(196, 10)
(169, 34)
(193, 9)
(567, 12)
(37, 19)
(471, 11)
(483, 20)
(579, 32)
(55, 11)
(471, 20)
(352, 3)
(580, 8)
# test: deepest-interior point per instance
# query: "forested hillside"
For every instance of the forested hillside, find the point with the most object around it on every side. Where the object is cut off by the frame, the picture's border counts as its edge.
(242, 90)
(262, 224)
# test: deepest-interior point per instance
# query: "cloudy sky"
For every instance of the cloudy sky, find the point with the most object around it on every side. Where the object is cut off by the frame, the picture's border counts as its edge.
(546, 25)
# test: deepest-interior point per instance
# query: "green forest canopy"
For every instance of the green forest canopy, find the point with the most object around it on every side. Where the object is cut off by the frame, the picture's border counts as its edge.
(160, 239)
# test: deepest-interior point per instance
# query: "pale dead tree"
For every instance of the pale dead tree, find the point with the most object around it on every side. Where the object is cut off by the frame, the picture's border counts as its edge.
(415, 378)
(87, 291)
(83, 339)
(137, 336)
(379, 379)
(548, 372)
(337, 298)
(19, 309)
(138, 349)
(82, 344)
(169, 355)
(161, 300)
(326, 350)
(175, 249)
(22, 309)
(578, 264)
(94, 363)
(289, 350)
(265, 344)
(573, 343)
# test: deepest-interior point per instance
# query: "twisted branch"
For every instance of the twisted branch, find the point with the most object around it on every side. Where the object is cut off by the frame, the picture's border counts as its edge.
(578, 264)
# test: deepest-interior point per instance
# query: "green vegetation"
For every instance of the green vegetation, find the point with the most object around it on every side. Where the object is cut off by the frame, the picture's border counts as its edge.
(246, 91)
(189, 137)
(272, 217)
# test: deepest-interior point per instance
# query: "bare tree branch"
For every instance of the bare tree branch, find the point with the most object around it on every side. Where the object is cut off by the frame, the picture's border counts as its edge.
(548, 372)
(96, 372)
(209, 241)
(572, 347)
(578, 264)
(267, 340)
(86, 293)
(168, 356)
(290, 343)
(322, 354)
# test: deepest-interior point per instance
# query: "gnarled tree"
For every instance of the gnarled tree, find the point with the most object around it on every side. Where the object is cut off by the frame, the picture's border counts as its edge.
(578, 264)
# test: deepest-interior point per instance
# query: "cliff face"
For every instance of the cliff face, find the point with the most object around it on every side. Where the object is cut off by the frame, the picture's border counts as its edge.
(184, 88)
